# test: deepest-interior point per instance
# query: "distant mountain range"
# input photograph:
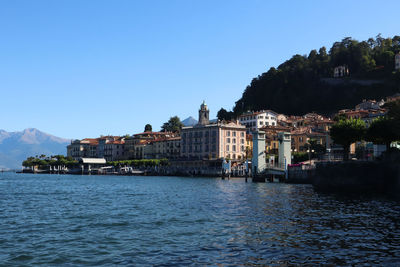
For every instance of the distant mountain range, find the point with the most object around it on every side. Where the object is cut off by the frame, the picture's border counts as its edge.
(189, 121)
(15, 147)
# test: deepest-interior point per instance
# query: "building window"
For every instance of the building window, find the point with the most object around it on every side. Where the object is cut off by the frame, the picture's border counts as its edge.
(242, 148)
(234, 140)
(242, 134)
(233, 133)
(228, 140)
(227, 147)
(242, 141)
(234, 148)
(228, 133)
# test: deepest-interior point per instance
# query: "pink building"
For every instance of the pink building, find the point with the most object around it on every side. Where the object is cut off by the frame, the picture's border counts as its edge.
(213, 140)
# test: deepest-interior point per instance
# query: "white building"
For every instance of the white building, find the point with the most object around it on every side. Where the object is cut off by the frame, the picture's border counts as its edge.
(397, 61)
(259, 119)
(370, 104)
(340, 71)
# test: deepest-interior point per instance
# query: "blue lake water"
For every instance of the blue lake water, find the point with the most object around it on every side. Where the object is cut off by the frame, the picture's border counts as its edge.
(172, 221)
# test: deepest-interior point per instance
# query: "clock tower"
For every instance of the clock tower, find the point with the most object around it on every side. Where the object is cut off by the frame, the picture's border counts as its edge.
(204, 118)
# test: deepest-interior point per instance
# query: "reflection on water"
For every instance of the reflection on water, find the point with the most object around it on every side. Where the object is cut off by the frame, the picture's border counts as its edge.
(100, 220)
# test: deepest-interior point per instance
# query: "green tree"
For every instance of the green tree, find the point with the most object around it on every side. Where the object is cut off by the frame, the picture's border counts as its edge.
(339, 117)
(387, 129)
(43, 161)
(148, 128)
(293, 86)
(300, 157)
(223, 114)
(174, 124)
(346, 132)
(393, 110)
(314, 148)
(383, 131)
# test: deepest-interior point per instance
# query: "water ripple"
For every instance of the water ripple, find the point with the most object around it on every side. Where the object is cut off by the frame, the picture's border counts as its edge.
(171, 221)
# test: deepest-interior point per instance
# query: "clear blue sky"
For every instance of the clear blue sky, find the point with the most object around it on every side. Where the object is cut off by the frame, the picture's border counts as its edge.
(80, 69)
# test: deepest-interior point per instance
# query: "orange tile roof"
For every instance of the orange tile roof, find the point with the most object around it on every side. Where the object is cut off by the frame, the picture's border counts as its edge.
(91, 141)
(154, 133)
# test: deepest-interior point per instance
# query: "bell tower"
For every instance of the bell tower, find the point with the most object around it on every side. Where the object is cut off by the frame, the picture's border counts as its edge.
(204, 118)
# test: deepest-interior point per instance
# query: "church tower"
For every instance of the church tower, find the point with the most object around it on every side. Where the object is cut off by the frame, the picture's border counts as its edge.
(204, 118)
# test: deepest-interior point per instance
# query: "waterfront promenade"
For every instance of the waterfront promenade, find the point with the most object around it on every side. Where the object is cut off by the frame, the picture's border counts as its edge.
(142, 221)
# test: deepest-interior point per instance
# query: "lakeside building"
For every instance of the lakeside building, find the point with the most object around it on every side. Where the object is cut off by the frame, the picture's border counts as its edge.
(317, 122)
(249, 146)
(213, 140)
(365, 115)
(169, 148)
(393, 98)
(290, 121)
(85, 148)
(353, 114)
(111, 147)
(373, 116)
(148, 145)
(257, 120)
(302, 136)
(310, 126)
(271, 137)
(368, 111)
(114, 149)
(370, 104)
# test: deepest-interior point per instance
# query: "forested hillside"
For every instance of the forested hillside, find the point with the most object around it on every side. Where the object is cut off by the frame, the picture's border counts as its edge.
(305, 83)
